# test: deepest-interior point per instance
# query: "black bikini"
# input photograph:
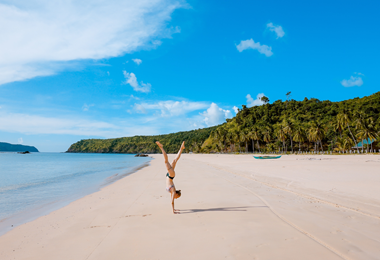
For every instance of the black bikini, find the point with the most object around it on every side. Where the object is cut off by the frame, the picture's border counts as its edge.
(169, 176)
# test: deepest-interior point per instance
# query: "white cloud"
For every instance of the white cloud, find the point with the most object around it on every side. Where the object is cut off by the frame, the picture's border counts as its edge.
(277, 29)
(251, 44)
(40, 37)
(254, 102)
(137, 61)
(170, 107)
(236, 109)
(132, 80)
(87, 107)
(352, 81)
(215, 115)
(20, 141)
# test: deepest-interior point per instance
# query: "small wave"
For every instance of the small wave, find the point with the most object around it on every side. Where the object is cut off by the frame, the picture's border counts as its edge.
(47, 181)
(17, 187)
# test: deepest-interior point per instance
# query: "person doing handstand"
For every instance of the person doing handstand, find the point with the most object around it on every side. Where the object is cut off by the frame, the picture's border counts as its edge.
(175, 194)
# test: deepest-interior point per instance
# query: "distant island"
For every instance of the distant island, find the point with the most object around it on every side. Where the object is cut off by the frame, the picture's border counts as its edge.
(7, 147)
(281, 126)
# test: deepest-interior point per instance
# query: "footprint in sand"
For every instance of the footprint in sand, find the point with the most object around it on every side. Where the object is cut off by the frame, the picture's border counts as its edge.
(99, 226)
(337, 231)
(138, 215)
(291, 239)
(261, 245)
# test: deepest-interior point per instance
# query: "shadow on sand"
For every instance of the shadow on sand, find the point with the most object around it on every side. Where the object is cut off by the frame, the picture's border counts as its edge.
(188, 211)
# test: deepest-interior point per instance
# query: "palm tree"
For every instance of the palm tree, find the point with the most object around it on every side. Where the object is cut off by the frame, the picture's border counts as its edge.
(344, 143)
(255, 136)
(299, 134)
(337, 126)
(244, 137)
(222, 136)
(215, 137)
(344, 119)
(288, 129)
(317, 132)
(359, 124)
(267, 134)
(366, 131)
(281, 135)
(229, 139)
(236, 138)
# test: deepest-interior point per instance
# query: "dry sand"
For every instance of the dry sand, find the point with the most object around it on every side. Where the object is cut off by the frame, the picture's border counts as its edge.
(232, 207)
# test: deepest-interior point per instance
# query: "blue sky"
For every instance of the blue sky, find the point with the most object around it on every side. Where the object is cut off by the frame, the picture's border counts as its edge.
(74, 70)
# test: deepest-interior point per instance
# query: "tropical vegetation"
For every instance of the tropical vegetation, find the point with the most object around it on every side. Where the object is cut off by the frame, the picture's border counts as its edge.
(144, 144)
(294, 126)
(278, 127)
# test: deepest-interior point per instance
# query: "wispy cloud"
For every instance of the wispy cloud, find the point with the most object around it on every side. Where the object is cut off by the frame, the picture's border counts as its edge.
(36, 124)
(352, 82)
(40, 37)
(251, 44)
(20, 140)
(169, 108)
(137, 61)
(254, 102)
(87, 107)
(277, 29)
(131, 79)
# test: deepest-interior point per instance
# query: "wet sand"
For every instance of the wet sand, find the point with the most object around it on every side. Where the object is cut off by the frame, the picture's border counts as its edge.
(232, 207)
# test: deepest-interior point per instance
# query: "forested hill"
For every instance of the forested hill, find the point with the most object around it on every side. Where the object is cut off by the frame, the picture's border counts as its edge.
(143, 144)
(282, 126)
(306, 125)
(6, 147)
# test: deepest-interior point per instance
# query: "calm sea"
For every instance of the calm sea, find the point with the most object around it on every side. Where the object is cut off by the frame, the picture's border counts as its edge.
(35, 184)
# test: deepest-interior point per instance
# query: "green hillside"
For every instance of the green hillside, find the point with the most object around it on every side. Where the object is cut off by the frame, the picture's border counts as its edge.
(308, 125)
(144, 144)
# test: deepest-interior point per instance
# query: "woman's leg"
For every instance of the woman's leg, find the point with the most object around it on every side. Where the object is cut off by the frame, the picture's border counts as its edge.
(178, 155)
(168, 166)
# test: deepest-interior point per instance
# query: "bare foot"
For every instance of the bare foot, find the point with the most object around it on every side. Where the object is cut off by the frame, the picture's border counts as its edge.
(159, 144)
(183, 145)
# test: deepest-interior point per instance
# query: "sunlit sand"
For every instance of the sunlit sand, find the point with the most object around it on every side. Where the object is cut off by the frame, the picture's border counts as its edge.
(232, 207)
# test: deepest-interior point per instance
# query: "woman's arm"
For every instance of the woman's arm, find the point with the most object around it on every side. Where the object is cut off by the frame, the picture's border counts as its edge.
(172, 197)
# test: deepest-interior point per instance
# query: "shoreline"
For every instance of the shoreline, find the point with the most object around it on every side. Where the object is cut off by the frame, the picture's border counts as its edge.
(232, 207)
(30, 214)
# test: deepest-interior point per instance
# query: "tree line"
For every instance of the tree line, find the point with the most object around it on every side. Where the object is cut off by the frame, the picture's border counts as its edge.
(144, 144)
(293, 126)
(281, 126)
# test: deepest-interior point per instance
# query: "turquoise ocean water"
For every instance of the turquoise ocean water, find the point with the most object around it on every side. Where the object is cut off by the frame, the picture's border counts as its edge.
(35, 184)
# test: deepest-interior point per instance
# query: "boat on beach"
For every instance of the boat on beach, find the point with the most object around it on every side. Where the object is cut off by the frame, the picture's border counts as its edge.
(267, 157)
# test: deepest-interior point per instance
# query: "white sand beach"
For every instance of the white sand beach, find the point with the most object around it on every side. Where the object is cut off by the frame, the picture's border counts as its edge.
(232, 207)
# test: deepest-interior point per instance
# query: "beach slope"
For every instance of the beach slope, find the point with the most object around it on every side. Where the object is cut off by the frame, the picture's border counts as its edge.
(232, 207)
